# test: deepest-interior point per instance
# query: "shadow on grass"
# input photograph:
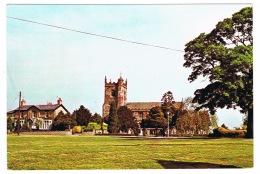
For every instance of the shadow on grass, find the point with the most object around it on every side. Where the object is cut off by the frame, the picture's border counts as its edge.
(191, 165)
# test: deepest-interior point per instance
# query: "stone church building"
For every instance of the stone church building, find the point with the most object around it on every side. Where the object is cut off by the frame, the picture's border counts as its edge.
(117, 91)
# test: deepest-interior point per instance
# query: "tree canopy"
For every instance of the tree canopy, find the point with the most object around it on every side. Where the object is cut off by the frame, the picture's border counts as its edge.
(82, 115)
(225, 57)
(61, 121)
(156, 119)
(112, 118)
(126, 119)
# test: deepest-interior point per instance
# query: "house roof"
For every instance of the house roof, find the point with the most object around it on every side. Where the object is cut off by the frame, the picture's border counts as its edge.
(48, 107)
(146, 106)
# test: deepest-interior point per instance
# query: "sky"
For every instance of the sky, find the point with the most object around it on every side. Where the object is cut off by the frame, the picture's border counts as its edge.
(46, 63)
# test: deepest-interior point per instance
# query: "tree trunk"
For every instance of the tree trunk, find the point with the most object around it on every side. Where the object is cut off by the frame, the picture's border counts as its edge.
(250, 124)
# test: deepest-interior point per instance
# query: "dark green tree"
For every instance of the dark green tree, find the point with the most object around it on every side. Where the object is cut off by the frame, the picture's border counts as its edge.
(73, 120)
(61, 121)
(96, 118)
(225, 58)
(167, 99)
(83, 116)
(156, 119)
(126, 119)
(167, 107)
(112, 118)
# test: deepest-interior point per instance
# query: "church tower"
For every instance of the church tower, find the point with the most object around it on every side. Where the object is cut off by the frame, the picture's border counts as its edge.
(114, 91)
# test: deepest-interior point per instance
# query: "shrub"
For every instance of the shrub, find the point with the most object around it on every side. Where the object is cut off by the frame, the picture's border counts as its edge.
(222, 132)
(77, 129)
(92, 125)
(96, 126)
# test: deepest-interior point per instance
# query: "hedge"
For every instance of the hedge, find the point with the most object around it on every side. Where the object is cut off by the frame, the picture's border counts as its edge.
(222, 132)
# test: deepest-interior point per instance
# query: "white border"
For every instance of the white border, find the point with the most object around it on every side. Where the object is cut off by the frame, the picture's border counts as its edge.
(3, 145)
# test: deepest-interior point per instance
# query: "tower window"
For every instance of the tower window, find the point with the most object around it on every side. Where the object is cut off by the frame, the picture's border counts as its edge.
(113, 93)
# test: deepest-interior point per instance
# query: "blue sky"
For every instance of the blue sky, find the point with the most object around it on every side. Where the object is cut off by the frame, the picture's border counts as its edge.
(45, 63)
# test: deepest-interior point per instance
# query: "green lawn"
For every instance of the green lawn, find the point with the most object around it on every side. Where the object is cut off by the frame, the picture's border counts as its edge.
(37, 152)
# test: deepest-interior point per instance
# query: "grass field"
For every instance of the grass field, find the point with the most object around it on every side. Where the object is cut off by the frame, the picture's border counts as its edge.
(37, 152)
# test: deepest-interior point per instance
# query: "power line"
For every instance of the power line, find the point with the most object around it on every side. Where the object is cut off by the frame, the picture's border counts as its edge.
(93, 34)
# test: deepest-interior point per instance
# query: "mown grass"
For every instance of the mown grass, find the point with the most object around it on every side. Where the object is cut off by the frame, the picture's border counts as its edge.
(38, 152)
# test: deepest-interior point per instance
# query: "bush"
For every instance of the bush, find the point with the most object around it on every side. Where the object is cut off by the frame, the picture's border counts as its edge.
(92, 125)
(222, 132)
(77, 129)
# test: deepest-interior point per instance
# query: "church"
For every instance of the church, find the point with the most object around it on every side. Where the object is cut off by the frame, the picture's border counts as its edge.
(117, 91)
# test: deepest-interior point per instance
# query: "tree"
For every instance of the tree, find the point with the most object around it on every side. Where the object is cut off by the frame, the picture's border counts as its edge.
(225, 58)
(38, 122)
(112, 118)
(126, 120)
(167, 99)
(167, 107)
(183, 122)
(73, 120)
(26, 125)
(96, 118)
(214, 121)
(83, 116)
(224, 126)
(205, 121)
(10, 123)
(189, 119)
(155, 118)
(61, 121)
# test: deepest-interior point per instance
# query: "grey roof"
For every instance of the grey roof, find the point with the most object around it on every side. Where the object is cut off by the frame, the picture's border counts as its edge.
(142, 105)
(48, 107)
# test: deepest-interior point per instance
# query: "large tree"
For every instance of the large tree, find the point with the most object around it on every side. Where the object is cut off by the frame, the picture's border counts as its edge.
(225, 57)
(96, 118)
(126, 119)
(168, 108)
(61, 121)
(83, 116)
(156, 119)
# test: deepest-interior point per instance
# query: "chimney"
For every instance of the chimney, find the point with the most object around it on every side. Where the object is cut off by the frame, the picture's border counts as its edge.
(23, 102)
(59, 101)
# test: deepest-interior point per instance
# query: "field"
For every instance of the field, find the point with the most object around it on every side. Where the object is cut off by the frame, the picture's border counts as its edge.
(38, 152)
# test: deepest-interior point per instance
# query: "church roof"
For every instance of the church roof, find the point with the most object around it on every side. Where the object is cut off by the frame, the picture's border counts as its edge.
(141, 106)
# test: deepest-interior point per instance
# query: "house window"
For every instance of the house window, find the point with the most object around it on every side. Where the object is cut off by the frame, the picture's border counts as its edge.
(22, 115)
(21, 122)
(46, 114)
(34, 114)
(46, 124)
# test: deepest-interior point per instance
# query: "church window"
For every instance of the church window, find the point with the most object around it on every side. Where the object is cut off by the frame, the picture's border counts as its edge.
(113, 93)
